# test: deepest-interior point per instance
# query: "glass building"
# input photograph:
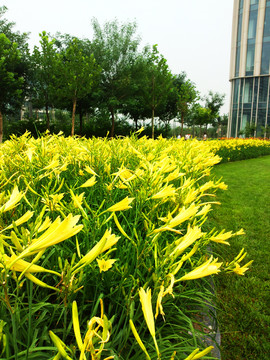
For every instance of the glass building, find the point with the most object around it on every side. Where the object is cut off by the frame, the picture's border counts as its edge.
(250, 69)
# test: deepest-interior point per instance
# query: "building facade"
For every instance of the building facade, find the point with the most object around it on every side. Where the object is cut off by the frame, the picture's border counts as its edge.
(250, 69)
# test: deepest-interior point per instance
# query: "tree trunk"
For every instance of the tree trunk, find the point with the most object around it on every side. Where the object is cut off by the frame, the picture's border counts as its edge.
(73, 116)
(47, 117)
(1, 127)
(136, 124)
(113, 122)
(152, 122)
(81, 122)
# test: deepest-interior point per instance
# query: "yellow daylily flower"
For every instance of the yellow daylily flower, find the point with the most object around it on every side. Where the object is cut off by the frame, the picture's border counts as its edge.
(195, 355)
(46, 223)
(53, 165)
(21, 265)
(165, 192)
(146, 302)
(159, 307)
(183, 215)
(92, 334)
(60, 345)
(111, 240)
(222, 237)
(90, 171)
(145, 299)
(105, 243)
(77, 199)
(90, 182)
(205, 209)
(13, 201)
(240, 270)
(21, 220)
(192, 235)
(121, 205)
(76, 325)
(105, 265)
(56, 233)
(208, 268)
(173, 175)
(137, 337)
(191, 196)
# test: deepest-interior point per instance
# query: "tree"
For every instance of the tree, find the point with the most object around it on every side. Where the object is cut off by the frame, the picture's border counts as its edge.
(187, 95)
(13, 68)
(115, 49)
(221, 125)
(214, 102)
(11, 84)
(202, 117)
(77, 74)
(44, 62)
(157, 83)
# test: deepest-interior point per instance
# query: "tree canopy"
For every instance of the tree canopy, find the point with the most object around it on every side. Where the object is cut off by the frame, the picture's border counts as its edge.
(108, 77)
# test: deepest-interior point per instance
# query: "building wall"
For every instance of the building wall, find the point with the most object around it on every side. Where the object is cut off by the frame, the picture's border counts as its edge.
(250, 68)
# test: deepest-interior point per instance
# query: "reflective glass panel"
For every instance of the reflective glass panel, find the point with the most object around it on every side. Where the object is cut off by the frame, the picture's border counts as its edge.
(252, 25)
(248, 91)
(236, 91)
(237, 61)
(263, 89)
(261, 118)
(265, 58)
(250, 59)
(266, 31)
(233, 128)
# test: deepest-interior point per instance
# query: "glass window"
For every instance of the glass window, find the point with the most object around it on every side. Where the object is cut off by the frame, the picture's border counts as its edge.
(263, 90)
(250, 59)
(265, 58)
(266, 31)
(254, 2)
(241, 4)
(252, 24)
(236, 91)
(245, 119)
(260, 121)
(233, 128)
(239, 30)
(248, 91)
(237, 61)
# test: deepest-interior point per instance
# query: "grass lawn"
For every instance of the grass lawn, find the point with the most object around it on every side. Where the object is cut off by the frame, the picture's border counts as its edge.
(244, 301)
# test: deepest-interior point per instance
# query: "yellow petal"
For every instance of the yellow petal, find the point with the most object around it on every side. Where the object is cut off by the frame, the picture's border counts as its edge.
(206, 269)
(13, 201)
(90, 182)
(121, 205)
(76, 325)
(145, 298)
(105, 265)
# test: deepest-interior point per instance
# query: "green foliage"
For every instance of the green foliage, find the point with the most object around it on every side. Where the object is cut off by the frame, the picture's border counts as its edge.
(186, 96)
(115, 48)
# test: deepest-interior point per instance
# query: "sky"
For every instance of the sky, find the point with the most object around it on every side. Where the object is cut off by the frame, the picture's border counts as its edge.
(193, 35)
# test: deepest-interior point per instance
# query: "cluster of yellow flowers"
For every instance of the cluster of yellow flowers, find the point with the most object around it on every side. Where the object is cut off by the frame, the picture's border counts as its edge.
(155, 194)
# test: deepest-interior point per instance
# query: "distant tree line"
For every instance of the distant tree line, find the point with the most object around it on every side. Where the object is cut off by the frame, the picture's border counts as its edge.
(106, 85)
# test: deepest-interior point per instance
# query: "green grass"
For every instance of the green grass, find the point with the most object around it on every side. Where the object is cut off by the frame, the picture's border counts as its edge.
(244, 301)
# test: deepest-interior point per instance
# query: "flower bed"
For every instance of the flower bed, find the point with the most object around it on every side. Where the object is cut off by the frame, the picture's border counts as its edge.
(102, 243)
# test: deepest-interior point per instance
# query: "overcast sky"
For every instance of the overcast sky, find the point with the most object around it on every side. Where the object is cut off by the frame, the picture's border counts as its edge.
(193, 35)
